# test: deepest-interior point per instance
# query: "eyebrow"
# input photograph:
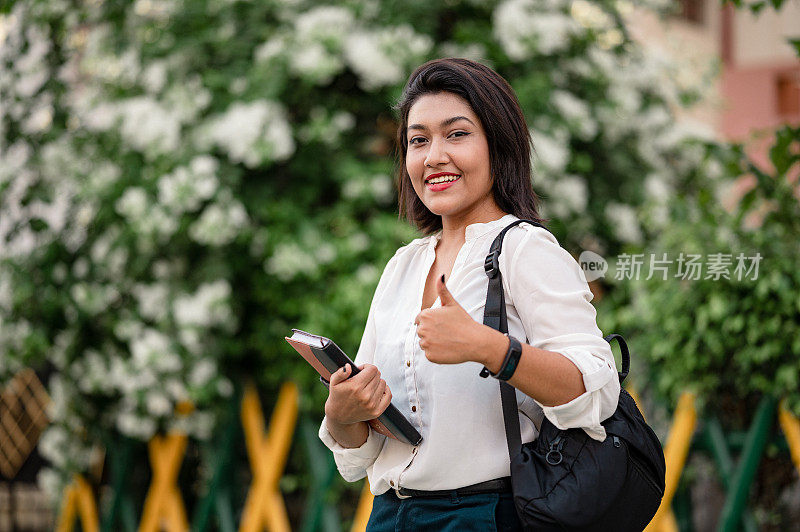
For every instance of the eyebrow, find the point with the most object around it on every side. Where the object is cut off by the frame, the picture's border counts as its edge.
(444, 123)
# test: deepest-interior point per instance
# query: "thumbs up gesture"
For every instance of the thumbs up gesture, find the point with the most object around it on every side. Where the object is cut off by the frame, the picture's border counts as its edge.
(448, 334)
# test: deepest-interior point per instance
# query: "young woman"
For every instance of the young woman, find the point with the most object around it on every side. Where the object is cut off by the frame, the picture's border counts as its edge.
(464, 174)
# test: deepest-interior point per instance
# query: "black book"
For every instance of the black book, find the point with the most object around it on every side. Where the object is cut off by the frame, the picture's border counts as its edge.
(326, 357)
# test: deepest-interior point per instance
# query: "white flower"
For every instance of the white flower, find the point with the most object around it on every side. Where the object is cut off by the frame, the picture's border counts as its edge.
(186, 188)
(288, 260)
(271, 49)
(6, 292)
(187, 98)
(149, 126)
(325, 253)
(53, 443)
(153, 349)
(51, 482)
(176, 390)
(525, 28)
(251, 133)
(158, 223)
(324, 24)
(381, 187)
(381, 57)
(203, 371)
(624, 221)
(31, 66)
(626, 97)
(93, 298)
(686, 129)
(657, 188)
(208, 306)
(609, 39)
(154, 76)
(319, 34)
(358, 242)
(54, 214)
(39, 121)
(153, 300)
(204, 165)
(127, 329)
(190, 339)
(15, 158)
(315, 63)
(576, 112)
(101, 117)
(366, 273)
(158, 404)
(374, 68)
(473, 51)
(224, 387)
(136, 426)
(132, 204)
(553, 153)
(155, 9)
(569, 195)
(219, 224)
(590, 15)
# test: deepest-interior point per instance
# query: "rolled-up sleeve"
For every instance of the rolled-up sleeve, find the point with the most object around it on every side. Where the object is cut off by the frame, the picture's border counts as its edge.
(553, 300)
(353, 462)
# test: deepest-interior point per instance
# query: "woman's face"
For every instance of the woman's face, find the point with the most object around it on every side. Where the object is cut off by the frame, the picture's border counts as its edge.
(448, 159)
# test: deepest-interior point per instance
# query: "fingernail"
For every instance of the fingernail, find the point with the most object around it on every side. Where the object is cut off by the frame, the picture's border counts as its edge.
(442, 277)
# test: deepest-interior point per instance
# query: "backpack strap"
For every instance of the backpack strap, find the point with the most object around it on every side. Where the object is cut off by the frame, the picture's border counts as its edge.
(626, 357)
(494, 315)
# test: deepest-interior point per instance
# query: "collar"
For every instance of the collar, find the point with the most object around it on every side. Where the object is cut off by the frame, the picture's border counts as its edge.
(476, 230)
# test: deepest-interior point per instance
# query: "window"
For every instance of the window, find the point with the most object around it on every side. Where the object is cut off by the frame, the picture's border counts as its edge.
(692, 11)
(788, 88)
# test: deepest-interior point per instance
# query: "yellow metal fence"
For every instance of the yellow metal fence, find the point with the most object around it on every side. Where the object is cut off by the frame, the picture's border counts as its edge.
(268, 448)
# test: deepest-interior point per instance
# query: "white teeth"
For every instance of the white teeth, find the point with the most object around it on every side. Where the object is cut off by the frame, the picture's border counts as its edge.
(443, 179)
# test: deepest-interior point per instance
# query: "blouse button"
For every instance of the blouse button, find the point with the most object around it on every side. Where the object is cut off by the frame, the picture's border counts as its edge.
(391, 483)
(413, 408)
(408, 363)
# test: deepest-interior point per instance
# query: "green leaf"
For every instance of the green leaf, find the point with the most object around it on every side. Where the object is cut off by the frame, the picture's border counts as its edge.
(796, 44)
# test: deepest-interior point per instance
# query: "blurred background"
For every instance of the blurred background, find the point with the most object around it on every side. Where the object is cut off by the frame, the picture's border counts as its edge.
(182, 182)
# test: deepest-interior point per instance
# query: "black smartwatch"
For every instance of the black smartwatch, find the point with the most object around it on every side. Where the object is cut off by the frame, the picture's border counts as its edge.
(510, 362)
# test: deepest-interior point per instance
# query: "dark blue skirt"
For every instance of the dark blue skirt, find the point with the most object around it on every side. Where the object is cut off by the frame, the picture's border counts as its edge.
(484, 512)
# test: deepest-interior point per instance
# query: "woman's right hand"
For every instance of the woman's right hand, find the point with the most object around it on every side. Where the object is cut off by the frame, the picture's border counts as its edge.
(363, 397)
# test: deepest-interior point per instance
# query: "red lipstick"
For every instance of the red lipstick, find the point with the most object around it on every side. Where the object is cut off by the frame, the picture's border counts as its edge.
(438, 187)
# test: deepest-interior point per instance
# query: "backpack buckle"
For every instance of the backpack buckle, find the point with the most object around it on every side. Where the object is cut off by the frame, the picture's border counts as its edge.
(492, 264)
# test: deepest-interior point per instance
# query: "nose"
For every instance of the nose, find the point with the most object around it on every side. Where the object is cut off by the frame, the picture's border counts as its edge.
(437, 153)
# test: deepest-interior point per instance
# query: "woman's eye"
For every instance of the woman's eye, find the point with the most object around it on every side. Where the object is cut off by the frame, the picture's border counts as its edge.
(416, 140)
(459, 134)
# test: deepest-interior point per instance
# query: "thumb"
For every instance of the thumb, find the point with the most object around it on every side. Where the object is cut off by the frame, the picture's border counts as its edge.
(340, 375)
(444, 294)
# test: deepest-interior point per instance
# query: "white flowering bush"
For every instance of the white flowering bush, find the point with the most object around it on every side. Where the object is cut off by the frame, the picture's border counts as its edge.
(184, 181)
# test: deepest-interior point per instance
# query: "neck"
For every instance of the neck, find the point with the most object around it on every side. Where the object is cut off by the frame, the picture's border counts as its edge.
(454, 227)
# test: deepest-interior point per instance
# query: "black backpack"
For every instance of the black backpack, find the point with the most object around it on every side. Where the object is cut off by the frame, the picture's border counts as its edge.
(565, 480)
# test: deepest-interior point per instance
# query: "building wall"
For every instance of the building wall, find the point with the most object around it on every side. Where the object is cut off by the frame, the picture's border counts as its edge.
(695, 47)
(761, 39)
(758, 87)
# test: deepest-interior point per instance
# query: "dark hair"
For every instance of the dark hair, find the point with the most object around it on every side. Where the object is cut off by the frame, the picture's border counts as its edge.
(494, 102)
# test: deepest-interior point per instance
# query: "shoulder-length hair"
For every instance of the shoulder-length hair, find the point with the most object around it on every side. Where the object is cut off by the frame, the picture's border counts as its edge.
(494, 102)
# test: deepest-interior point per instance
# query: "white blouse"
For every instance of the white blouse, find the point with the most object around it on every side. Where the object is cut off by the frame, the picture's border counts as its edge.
(457, 412)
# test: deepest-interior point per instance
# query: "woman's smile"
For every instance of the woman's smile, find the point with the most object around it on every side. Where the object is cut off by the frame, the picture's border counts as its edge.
(441, 181)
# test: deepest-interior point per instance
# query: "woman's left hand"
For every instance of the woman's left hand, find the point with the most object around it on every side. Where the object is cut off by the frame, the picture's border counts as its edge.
(447, 334)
